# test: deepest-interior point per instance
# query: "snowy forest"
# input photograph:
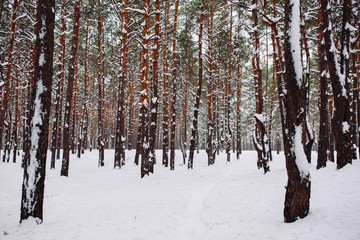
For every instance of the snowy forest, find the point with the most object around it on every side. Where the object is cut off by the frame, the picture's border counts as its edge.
(191, 119)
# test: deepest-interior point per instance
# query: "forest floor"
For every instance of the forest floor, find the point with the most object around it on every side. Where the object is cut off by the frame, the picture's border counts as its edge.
(226, 201)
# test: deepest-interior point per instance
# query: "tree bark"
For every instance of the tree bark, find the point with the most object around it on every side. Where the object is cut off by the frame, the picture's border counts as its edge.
(120, 124)
(34, 171)
(198, 93)
(297, 198)
(173, 95)
(341, 122)
(69, 91)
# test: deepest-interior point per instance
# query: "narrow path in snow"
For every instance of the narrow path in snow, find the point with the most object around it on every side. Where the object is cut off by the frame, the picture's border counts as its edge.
(194, 224)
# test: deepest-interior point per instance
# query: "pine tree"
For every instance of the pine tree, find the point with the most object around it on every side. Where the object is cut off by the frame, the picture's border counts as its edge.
(34, 171)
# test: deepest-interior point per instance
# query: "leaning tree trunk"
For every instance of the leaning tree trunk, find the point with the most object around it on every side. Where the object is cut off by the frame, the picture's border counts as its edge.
(34, 171)
(69, 92)
(297, 198)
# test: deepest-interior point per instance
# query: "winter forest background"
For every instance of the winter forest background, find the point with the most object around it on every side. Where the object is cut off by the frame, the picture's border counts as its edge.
(237, 98)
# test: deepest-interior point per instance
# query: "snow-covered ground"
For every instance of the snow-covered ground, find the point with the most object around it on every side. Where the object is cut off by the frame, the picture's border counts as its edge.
(225, 201)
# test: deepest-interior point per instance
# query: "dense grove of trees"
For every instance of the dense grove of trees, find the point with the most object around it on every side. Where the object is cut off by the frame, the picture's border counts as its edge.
(216, 75)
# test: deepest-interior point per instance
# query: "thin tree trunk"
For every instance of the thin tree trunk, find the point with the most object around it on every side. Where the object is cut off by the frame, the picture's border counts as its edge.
(100, 139)
(5, 88)
(154, 103)
(260, 131)
(173, 97)
(165, 140)
(60, 76)
(323, 144)
(69, 92)
(198, 93)
(120, 124)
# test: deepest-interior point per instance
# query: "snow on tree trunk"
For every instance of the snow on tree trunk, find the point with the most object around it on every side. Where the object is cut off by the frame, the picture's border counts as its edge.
(173, 94)
(143, 132)
(120, 122)
(155, 81)
(198, 93)
(259, 136)
(341, 122)
(297, 198)
(165, 123)
(34, 171)
(323, 144)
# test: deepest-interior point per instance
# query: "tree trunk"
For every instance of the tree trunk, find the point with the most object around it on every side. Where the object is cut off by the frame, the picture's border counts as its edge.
(120, 123)
(323, 144)
(155, 79)
(100, 140)
(144, 128)
(69, 92)
(34, 171)
(165, 140)
(298, 188)
(198, 93)
(341, 122)
(173, 96)
(259, 136)
(5, 88)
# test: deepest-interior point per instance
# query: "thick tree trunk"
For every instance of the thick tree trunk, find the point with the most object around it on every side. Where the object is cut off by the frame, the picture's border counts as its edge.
(297, 198)
(34, 171)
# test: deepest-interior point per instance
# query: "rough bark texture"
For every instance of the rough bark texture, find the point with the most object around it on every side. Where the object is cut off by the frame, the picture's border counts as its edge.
(297, 198)
(323, 144)
(144, 128)
(60, 83)
(173, 95)
(120, 122)
(155, 81)
(100, 139)
(260, 130)
(165, 123)
(6, 87)
(34, 171)
(69, 91)
(341, 122)
(198, 93)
